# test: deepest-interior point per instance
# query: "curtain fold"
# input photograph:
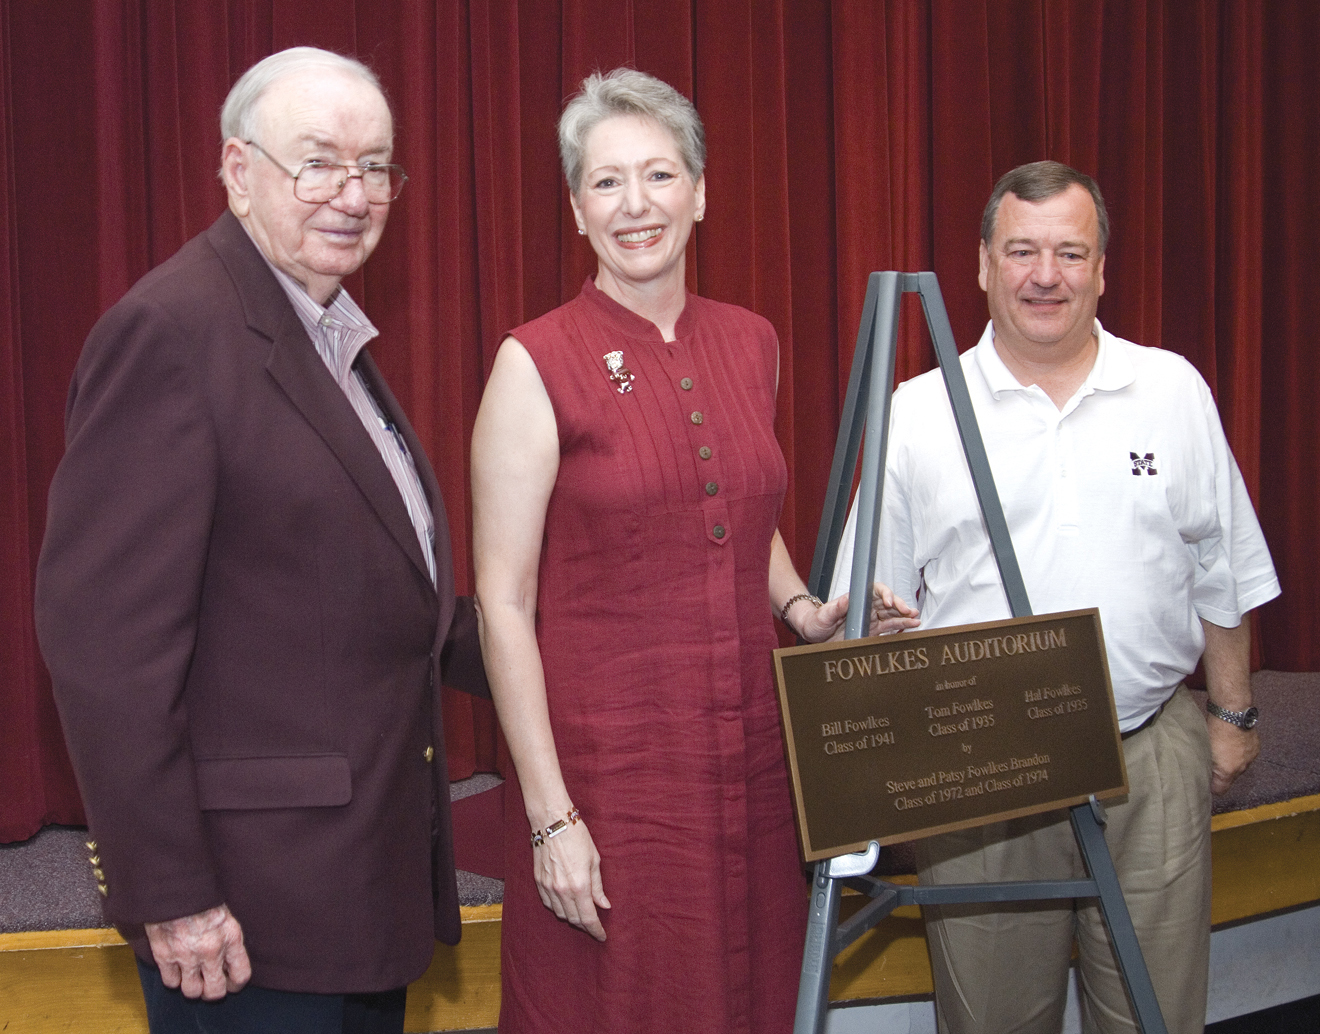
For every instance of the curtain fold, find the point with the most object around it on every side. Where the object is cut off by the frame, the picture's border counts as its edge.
(844, 138)
(1289, 115)
(25, 727)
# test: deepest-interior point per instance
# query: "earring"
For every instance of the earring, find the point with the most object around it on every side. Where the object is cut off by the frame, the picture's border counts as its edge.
(581, 232)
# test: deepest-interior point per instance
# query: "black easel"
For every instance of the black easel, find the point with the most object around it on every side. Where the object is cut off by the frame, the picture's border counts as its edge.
(866, 408)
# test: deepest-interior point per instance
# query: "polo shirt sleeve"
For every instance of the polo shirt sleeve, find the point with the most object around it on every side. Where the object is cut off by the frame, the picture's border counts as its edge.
(894, 563)
(1239, 555)
(841, 579)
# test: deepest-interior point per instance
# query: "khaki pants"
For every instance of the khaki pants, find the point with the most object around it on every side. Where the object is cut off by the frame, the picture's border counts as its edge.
(1003, 969)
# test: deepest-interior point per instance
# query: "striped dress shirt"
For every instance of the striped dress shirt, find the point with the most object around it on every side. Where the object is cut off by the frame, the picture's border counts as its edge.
(340, 331)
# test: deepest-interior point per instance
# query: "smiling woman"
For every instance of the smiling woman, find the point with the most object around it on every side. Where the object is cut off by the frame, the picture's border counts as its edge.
(636, 203)
(626, 487)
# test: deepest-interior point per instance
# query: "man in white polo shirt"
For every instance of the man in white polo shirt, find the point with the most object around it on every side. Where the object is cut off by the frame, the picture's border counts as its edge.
(1120, 493)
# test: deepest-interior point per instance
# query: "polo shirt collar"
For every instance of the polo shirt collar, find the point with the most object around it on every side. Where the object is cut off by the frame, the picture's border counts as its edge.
(1112, 371)
(997, 376)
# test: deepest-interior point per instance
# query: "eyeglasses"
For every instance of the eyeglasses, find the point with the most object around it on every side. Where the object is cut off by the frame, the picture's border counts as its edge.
(317, 182)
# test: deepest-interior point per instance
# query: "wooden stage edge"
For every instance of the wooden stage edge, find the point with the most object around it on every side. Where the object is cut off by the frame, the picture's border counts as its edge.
(1266, 859)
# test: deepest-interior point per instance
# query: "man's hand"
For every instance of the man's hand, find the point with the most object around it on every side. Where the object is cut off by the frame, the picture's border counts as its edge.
(1227, 661)
(201, 954)
(1231, 751)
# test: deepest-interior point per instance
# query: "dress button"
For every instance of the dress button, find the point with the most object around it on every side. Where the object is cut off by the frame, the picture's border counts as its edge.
(718, 531)
(711, 488)
(686, 383)
(696, 417)
(704, 452)
(429, 753)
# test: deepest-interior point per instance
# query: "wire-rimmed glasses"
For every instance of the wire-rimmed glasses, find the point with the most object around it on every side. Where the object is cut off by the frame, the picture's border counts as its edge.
(317, 182)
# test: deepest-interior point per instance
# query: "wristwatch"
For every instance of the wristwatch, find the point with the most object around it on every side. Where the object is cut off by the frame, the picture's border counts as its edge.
(1242, 719)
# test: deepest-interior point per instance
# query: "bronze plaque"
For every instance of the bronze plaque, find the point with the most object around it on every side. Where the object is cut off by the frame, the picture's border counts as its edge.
(903, 736)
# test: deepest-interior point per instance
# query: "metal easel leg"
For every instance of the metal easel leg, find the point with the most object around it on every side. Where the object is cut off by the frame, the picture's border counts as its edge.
(822, 934)
(1088, 822)
(818, 955)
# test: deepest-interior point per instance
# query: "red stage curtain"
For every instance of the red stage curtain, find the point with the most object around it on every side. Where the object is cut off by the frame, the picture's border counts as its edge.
(844, 138)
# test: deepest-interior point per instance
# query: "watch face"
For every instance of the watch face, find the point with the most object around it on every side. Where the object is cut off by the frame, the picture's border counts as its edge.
(1250, 717)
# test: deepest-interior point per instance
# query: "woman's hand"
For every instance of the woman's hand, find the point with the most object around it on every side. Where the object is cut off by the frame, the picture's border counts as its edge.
(515, 459)
(818, 624)
(567, 872)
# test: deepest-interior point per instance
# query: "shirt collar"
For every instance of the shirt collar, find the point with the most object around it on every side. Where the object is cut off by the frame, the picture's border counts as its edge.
(339, 330)
(1112, 369)
(997, 376)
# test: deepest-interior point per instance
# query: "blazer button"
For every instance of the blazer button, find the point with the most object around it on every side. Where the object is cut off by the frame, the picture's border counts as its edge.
(429, 753)
(696, 417)
(704, 452)
(686, 383)
(711, 488)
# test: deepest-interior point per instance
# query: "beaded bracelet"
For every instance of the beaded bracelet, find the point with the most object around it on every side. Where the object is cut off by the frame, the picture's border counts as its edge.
(783, 614)
(555, 828)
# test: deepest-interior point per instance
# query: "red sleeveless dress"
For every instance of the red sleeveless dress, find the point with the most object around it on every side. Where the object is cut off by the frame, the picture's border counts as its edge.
(655, 631)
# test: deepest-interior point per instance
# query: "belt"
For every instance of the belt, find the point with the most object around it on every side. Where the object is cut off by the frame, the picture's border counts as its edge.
(1147, 723)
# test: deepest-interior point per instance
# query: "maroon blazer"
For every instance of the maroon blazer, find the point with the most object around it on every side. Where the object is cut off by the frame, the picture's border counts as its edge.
(245, 645)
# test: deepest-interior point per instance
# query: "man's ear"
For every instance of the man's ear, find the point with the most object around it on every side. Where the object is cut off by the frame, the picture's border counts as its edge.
(234, 171)
(981, 277)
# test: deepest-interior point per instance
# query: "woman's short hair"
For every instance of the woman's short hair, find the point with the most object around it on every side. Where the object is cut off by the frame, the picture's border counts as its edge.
(1040, 180)
(626, 91)
(238, 116)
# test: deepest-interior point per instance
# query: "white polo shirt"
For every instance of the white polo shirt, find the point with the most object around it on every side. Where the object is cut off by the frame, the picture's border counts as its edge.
(1127, 499)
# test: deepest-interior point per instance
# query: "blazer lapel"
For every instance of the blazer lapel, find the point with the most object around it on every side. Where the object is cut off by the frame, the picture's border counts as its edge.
(393, 411)
(304, 378)
(430, 486)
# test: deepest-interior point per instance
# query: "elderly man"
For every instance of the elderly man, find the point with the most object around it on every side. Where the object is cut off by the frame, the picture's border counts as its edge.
(245, 595)
(1120, 493)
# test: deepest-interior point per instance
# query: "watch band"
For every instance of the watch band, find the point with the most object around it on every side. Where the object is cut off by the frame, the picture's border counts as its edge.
(1242, 719)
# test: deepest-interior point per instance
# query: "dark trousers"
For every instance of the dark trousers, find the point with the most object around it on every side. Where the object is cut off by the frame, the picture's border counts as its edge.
(258, 1010)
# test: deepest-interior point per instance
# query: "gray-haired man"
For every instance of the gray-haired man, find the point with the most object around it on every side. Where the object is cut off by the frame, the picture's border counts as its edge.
(245, 596)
